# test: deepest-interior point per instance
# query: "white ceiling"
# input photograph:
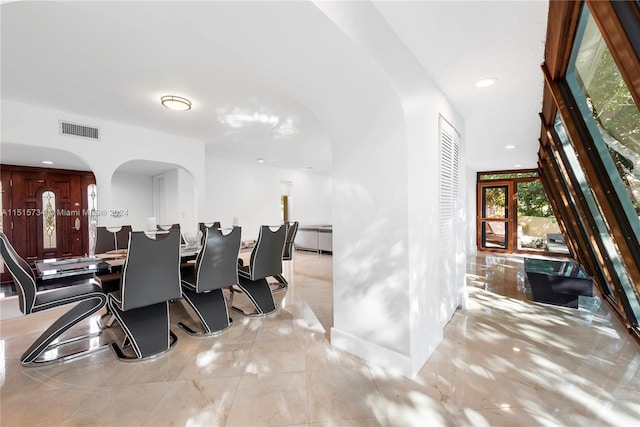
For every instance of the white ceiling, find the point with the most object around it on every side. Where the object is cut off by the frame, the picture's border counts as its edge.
(238, 62)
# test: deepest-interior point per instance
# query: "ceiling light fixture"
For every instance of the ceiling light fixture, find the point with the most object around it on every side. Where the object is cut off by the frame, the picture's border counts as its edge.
(260, 160)
(284, 130)
(47, 162)
(175, 103)
(509, 147)
(489, 81)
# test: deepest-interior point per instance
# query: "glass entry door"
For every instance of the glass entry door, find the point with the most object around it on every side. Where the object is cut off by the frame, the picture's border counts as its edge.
(494, 220)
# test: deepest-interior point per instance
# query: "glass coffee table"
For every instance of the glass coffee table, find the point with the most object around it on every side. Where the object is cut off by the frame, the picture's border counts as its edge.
(557, 282)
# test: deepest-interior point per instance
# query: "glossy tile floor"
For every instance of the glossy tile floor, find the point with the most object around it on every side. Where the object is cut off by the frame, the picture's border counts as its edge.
(504, 360)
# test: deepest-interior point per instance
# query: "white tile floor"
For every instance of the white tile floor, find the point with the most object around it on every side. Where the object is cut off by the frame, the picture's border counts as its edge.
(504, 361)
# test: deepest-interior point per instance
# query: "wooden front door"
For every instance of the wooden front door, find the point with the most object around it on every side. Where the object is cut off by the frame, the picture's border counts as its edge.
(46, 212)
(495, 219)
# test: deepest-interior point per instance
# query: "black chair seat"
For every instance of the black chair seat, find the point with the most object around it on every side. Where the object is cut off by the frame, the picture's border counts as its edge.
(66, 295)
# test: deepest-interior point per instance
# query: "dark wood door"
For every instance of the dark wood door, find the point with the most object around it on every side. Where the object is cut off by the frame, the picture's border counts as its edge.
(495, 220)
(46, 212)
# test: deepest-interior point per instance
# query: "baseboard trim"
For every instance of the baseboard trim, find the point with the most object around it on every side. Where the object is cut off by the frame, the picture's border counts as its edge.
(371, 352)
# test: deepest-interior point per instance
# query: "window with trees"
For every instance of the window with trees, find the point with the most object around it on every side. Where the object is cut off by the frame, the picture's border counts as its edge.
(589, 153)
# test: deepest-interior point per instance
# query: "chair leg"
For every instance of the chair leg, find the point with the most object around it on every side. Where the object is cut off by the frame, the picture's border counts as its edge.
(81, 311)
(106, 325)
(211, 309)
(147, 330)
(280, 278)
(279, 289)
(259, 294)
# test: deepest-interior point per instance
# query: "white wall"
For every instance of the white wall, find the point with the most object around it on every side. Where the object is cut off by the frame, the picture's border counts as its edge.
(134, 194)
(187, 202)
(177, 204)
(472, 202)
(249, 196)
(389, 306)
(171, 198)
(118, 144)
(228, 190)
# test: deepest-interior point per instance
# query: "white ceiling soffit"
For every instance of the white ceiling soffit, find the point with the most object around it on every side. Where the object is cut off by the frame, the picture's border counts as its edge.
(244, 66)
(30, 155)
(461, 42)
(145, 167)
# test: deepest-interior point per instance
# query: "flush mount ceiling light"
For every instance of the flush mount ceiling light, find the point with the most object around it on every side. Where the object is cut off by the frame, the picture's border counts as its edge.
(175, 103)
(47, 162)
(260, 160)
(509, 147)
(489, 81)
(284, 130)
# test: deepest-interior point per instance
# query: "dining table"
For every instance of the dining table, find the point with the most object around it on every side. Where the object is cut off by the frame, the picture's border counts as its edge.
(107, 263)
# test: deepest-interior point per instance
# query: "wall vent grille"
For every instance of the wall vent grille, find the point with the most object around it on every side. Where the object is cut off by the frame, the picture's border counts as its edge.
(82, 131)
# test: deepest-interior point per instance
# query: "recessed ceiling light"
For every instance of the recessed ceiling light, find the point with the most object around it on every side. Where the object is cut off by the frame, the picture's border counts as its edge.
(47, 162)
(260, 160)
(517, 166)
(486, 82)
(175, 103)
(509, 147)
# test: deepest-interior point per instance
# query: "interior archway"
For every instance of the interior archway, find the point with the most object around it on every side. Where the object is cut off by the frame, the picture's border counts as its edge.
(145, 191)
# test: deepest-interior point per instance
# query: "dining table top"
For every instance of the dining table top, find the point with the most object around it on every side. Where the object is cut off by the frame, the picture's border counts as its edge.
(104, 263)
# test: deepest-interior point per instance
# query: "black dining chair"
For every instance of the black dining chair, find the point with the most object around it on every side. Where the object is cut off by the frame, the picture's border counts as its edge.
(87, 295)
(170, 228)
(202, 226)
(287, 253)
(122, 237)
(215, 268)
(108, 241)
(265, 261)
(150, 279)
(105, 240)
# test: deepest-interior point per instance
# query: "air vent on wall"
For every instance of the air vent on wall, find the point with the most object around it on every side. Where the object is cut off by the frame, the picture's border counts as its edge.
(74, 129)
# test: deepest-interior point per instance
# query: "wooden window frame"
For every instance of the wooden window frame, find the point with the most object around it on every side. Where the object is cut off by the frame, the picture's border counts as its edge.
(619, 24)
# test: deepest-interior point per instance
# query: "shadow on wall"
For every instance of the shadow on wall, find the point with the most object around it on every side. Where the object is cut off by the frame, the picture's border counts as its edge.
(375, 296)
